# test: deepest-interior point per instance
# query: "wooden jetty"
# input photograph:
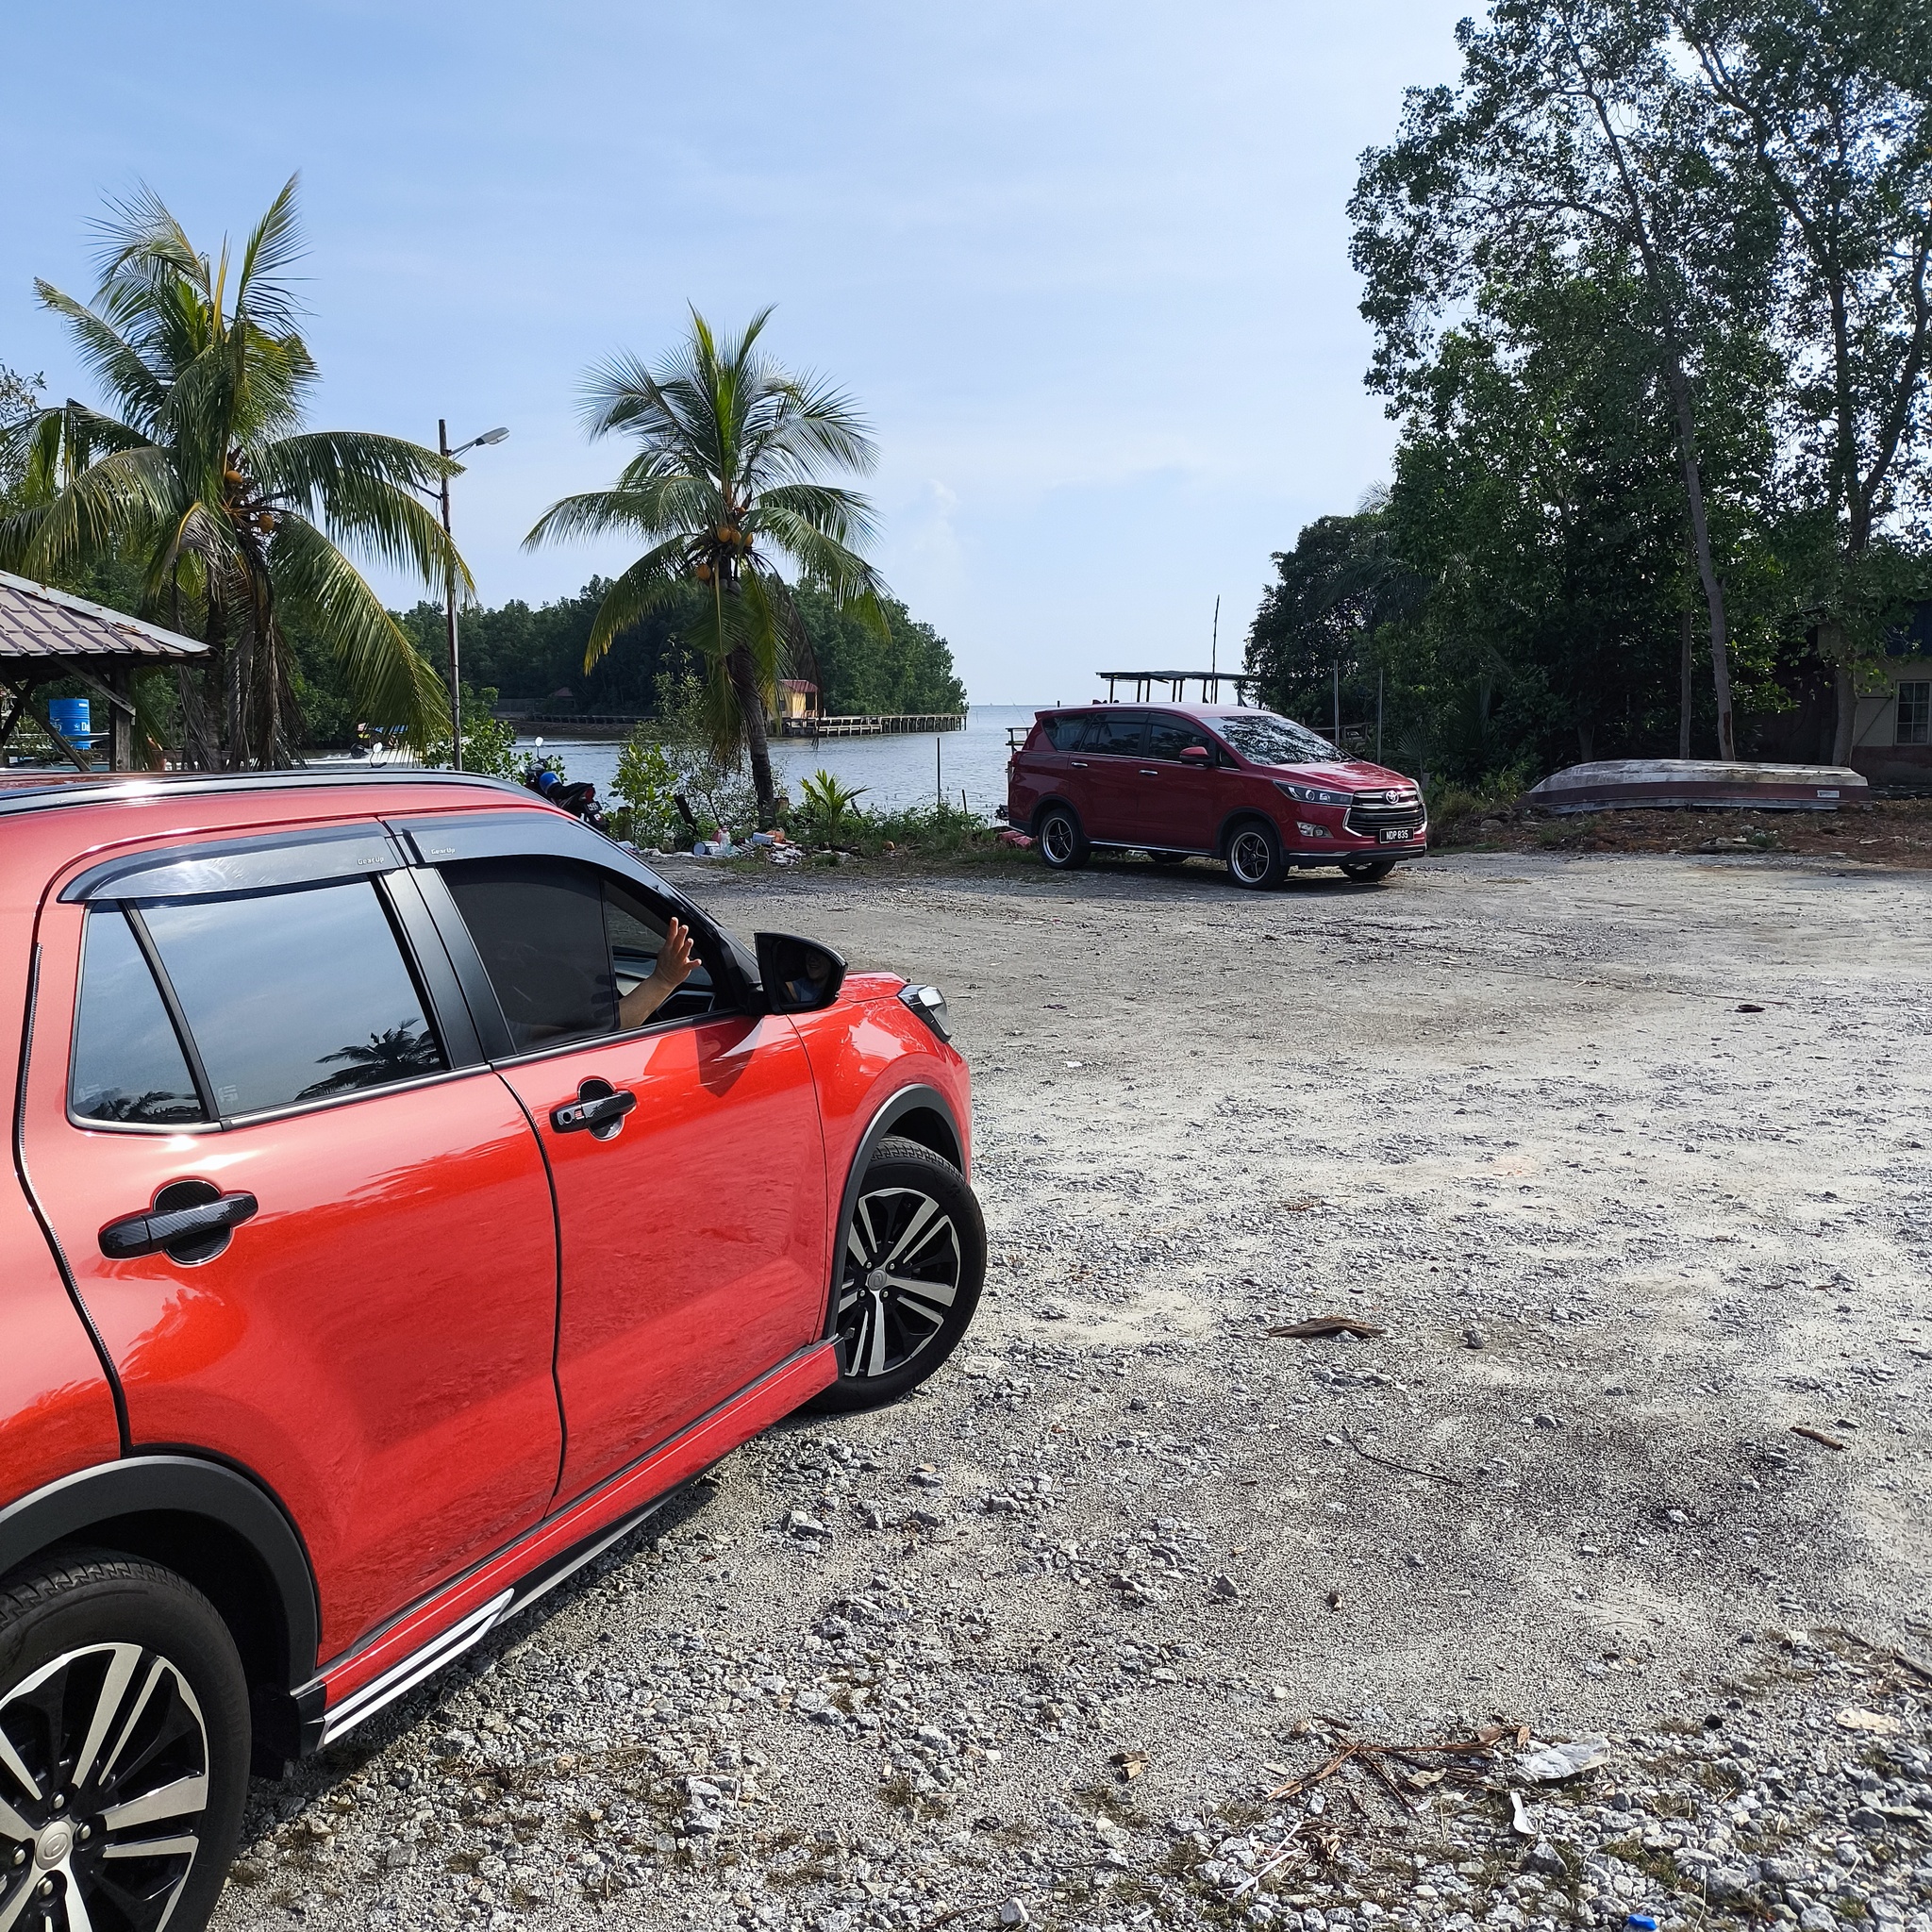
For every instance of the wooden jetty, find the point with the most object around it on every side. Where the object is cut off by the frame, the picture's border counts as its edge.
(899, 723)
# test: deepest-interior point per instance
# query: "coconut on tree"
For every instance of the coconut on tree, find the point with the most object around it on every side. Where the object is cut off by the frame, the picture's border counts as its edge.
(725, 486)
(199, 471)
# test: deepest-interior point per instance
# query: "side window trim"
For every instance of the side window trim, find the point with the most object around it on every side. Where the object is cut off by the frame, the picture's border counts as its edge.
(466, 964)
(427, 953)
(205, 1092)
(242, 865)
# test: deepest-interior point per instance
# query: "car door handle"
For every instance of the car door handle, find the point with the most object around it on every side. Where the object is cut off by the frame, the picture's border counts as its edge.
(593, 1111)
(1150, 772)
(143, 1234)
(1078, 764)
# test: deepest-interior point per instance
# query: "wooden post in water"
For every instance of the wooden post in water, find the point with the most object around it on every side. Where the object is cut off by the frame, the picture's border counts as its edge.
(939, 790)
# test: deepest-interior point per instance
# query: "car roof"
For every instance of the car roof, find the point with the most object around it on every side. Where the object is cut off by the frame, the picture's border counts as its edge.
(23, 793)
(1156, 705)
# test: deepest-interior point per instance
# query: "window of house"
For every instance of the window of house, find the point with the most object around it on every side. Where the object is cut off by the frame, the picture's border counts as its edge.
(294, 996)
(1914, 711)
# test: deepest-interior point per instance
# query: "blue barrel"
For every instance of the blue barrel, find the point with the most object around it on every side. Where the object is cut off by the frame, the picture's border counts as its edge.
(72, 718)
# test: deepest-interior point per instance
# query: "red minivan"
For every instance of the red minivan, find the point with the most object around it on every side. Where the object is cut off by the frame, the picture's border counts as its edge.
(364, 1271)
(1215, 781)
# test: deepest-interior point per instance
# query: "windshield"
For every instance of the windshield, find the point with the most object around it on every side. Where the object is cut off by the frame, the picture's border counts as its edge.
(1269, 740)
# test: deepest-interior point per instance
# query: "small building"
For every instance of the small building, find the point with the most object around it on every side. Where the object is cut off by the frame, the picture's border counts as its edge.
(798, 703)
(1892, 734)
(47, 637)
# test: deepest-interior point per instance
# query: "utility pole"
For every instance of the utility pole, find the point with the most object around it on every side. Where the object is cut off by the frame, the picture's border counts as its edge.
(1338, 704)
(455, 688)
(1214, 648)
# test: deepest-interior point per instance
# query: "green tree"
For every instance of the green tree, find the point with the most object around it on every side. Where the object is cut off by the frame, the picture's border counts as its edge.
(1827, 104)
(726, 479)
(864, 670)
(1573, 136)
(200, 473)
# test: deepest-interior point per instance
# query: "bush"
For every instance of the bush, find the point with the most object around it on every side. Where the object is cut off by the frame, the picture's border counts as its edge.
(488, 742)
(669, 757)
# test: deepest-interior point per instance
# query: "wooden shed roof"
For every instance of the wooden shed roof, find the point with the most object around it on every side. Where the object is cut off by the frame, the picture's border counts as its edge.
(43, 627)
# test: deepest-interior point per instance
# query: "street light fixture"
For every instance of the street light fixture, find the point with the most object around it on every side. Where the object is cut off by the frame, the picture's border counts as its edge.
(455, 688)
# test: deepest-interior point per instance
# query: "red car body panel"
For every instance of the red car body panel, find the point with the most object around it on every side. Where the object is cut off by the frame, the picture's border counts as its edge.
(694, 1240)
(374, 1347)
(379, 1351)
(1158, 804)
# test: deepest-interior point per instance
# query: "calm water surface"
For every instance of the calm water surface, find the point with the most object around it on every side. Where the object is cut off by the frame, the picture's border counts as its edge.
(893, 771)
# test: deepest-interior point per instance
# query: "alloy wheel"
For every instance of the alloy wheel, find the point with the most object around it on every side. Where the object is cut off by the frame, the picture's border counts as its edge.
(1248, 856)
(103, 1778)
(1056, 838)
(903, 1266)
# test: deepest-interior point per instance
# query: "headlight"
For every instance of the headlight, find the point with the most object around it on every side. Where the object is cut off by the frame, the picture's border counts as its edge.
(1314, 794)
(929, 1002)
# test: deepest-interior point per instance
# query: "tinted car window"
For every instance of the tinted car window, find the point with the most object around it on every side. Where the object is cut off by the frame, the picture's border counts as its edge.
(294, 995)
(539, 928)
(1270, 740)
(128, 1063)
(1169, 736)
(1117, 733)
(563, 945)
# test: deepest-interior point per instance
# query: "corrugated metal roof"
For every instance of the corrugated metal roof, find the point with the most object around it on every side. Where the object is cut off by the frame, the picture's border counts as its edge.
(38, 625)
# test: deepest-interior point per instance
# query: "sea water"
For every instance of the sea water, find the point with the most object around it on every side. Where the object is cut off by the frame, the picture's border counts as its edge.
(891, 771)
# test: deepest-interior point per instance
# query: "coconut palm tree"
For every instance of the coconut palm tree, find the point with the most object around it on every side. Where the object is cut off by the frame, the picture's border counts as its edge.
(199, 471)
(724, 485)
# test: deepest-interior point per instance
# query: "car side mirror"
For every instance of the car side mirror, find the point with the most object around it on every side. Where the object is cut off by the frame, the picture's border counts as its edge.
(1196, 754)
(798, 975)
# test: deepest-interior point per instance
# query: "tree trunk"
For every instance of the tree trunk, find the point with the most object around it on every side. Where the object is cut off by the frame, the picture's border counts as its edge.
(751, 712)
(1684, 688)
(1844, 689)
(1700, 547)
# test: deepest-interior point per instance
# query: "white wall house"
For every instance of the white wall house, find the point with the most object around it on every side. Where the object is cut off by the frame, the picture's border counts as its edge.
(1892, 737)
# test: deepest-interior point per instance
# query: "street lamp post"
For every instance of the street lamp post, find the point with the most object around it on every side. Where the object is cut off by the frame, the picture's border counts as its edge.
(456, 689)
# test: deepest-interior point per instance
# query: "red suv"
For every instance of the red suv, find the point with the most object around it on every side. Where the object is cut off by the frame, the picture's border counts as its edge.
(1216, 781)
(363, 1275)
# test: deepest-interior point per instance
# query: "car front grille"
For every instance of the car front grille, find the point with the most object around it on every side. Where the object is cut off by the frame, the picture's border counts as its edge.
(1374, 813)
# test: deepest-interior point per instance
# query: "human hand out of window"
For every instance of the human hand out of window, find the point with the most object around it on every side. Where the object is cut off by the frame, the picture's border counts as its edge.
(672, 970)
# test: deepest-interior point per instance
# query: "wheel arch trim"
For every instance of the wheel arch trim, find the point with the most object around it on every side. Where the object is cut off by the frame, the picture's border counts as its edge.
(895, 1108)
(174, 1484)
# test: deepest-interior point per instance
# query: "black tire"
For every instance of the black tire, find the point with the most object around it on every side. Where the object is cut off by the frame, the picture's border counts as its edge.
(122, 1655)
(1367, 872)
(1254, 855)
(897, 1328)
(1168, 858)
(1062, 842)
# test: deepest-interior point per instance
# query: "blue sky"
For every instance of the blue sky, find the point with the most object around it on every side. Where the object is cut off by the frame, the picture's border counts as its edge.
(1084, 266)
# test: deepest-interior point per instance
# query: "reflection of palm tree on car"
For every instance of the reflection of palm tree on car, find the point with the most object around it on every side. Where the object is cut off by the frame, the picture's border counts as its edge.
(730, 447)
(397, 1053)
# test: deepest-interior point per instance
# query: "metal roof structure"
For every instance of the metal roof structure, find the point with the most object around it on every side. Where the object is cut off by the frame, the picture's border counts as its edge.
(1177, 682)
(47, 635)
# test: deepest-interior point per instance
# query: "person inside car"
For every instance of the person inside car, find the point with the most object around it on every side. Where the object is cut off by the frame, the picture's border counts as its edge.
(672, 970)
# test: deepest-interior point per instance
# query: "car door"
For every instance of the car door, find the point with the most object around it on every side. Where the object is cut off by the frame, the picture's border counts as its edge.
(692, 1224)
(1180, 801)
(360, 1306)
(1111, 749)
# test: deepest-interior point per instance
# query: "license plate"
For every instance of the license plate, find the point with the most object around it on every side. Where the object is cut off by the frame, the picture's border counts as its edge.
(1395, 835)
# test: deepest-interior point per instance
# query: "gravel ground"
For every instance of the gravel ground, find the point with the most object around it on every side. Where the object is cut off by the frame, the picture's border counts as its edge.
(1626, 1157)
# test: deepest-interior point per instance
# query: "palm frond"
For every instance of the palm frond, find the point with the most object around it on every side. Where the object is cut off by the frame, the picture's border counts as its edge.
(389, 681)
(649, 582)
(124, 495)
(115, 363)
(842, 515)
(274, 243)
(361, 488)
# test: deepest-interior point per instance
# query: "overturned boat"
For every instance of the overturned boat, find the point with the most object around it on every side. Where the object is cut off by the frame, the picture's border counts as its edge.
(1619, 784)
